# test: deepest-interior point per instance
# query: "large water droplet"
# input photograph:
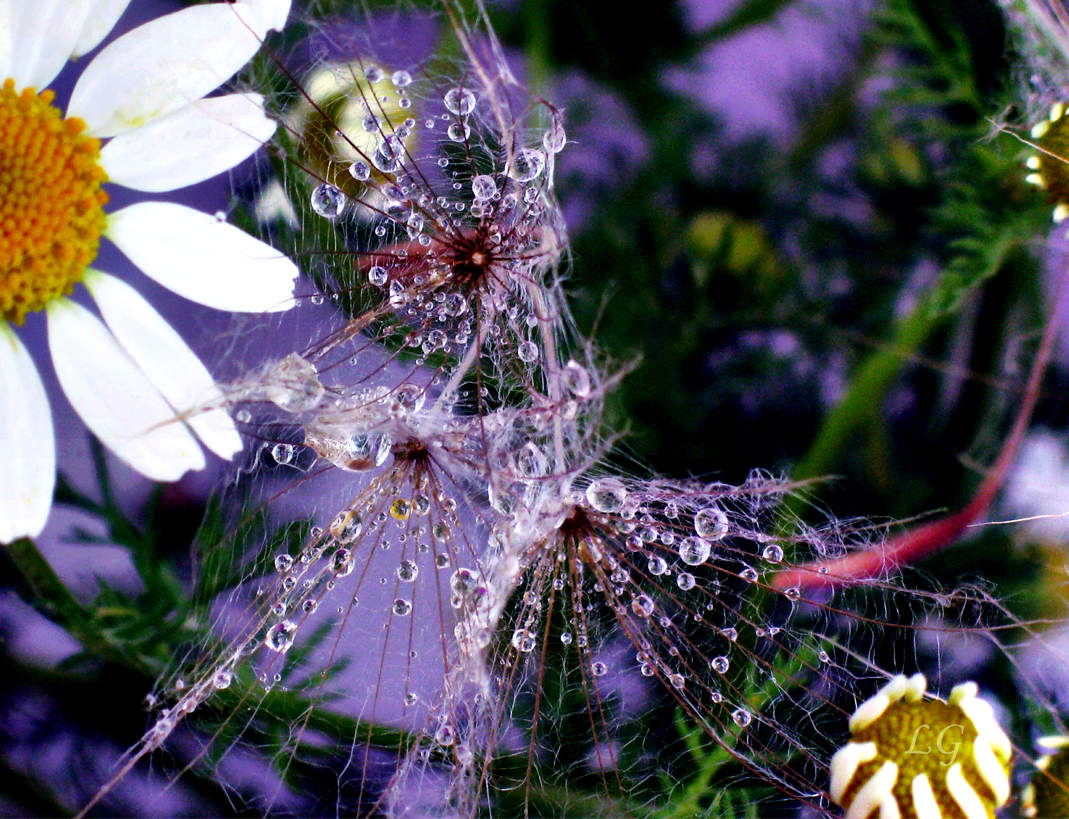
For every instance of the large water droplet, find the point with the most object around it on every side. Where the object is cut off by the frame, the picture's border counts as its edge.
(360, 171)
(719, 664)
(282, 453)
(554, 138)
(694, 551)
(742, 717)
(575, 379)
(280, 636)
(606, 495)
(401, 607)
(642, 605)
(459, 101)
(328, 201)
(772, 553)
(408, 571)
(377, 275)
(711, 524)
(401, 79)
(283, 563)
(527, 164)
(483, 187)
(523, 640)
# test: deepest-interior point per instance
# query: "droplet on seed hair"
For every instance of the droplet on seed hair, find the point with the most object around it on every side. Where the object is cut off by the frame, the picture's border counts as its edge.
(483, 187)
(407, 571)
(575, 379)
(694, 551)
(401, 79)
(373, 73)
(401, 607)
(283, 563)
(711, 523)
(554, 138)
(742, 717)
(606, 495)
(377, 275)
(328, 201)
(719, 664)
(282, 453)
(459, 101)
(527, 164)
(458, 131)
(360, 171)
(280, 636)
(772, 553)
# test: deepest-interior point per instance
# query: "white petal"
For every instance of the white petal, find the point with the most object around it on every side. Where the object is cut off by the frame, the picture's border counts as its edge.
(189, 145)
(165, 358)
(28, 471)
(206, 260)
(43, 39)
(102, 17)
(7, 36)
(163, 65)
(114, 398)
(272, 14)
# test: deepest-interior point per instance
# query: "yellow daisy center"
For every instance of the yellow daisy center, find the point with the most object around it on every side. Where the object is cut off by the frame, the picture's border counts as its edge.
(51, 201)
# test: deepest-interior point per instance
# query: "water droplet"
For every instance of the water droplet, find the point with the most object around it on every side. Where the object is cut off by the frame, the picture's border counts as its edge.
(554, 138)
(523, 640)
(377, 275)
(606, 495)
(730, 633)
(598, 668)
(280, 636)
(328, 201)
(575, 379)
(676, 680)
(459, 101)
(400, 509)
(222, 679)
(772, 553)
(527, 164)
(685, 581)
(642, 605)
(749, 575)
(694, 551)
(401, 607)
(719, 664)
(308, 606)
(411, 698)
(566, 638)
(742, 717)
(401, 79)
(373, 74)
(360, 171)
(483, 187)
(342, 563)
(346, 527)
(441, 560)
(293, 384)
(657, 565)
(283, 563)
(458, 131)
(408, 571)
(711, 524)
(282, 453)
(445, 735)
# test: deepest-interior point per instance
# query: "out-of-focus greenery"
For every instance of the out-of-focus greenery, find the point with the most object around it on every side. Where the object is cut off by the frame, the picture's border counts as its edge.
(874, 322)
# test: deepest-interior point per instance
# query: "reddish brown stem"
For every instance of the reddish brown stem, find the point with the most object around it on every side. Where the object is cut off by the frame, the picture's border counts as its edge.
(924, 540)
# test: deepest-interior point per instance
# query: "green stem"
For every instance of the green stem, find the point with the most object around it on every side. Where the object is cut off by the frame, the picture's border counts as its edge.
(861, 402)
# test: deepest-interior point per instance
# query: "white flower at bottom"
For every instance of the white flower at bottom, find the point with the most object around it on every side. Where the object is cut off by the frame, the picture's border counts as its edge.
(130, 377)
(914, 757)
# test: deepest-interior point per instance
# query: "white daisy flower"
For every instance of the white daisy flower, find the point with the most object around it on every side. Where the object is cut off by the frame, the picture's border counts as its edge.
(131, 374)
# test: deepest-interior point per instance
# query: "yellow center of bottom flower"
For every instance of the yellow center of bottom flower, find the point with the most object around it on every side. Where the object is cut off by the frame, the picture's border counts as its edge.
(51, 201)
